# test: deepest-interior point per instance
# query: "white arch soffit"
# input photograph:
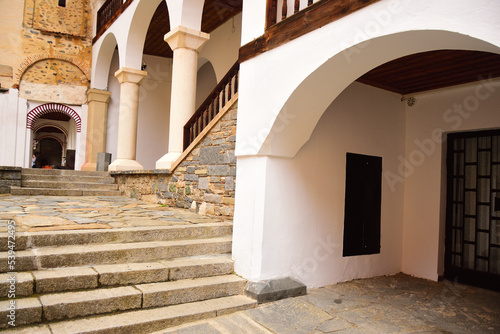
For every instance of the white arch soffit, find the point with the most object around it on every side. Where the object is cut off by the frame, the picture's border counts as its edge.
(187, 13)
(297, 118)
(102, 62)
(137, 31)
(49, 124)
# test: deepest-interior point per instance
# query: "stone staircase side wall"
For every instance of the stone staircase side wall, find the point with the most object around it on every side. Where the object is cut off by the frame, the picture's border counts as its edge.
(203, 182)
(9, 177)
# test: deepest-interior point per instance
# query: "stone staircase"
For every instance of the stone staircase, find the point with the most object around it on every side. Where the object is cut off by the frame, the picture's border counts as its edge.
(122, 280)
(60, 182)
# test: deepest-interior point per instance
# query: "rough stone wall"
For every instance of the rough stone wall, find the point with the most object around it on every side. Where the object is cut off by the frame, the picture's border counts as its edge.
(204, 182)
(40, 30)
(9, 177)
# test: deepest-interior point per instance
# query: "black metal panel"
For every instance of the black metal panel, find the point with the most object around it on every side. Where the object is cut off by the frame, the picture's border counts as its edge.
(363, 198)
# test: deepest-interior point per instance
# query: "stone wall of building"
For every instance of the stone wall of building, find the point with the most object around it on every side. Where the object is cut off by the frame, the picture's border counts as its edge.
(41, 31)
(203, 182)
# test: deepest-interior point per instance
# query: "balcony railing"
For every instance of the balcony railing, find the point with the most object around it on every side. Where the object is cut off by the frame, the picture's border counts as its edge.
(288, 8)
(214, 103)
(108, 13)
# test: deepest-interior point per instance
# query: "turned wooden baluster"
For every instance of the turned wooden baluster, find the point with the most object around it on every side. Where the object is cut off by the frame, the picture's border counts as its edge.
(272, 13)
(297, 6)
(309, 2)
(223, 96)
(236, 81)
(229, 90)
(284, 10)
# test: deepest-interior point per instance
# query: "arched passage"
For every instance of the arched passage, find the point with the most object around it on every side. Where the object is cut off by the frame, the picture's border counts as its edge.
(292, 142)
(47, 108)
(293, 124)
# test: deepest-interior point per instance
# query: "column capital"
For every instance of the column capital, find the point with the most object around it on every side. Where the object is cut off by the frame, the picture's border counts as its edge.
(126, 74)
(98, 95)
(184, 37)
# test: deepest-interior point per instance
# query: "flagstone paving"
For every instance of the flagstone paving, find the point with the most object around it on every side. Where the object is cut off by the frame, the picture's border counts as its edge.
(387, 304)
(52, 213)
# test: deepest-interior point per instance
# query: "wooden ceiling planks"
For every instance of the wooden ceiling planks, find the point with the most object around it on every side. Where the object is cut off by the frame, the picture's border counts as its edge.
(215, 13)
(432, 70)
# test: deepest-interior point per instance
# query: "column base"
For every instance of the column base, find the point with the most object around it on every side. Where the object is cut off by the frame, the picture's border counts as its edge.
(167, 160)
(124, 164)
(89, 166)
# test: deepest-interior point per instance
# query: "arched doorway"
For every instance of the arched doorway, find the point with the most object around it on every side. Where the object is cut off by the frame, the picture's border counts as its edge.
(55, 128)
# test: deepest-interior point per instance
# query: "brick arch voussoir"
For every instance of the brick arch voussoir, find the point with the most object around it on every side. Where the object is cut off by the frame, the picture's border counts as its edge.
(47, 108)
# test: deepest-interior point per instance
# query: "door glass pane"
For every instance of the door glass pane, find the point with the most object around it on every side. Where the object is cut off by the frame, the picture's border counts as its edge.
(483, 217)
(484, 142)
(457, 260)
(495, 261)
(484, 163)
(470, 177)
(470, 229)
(458, 189)
(457, 237)
(458, 144)
(495, 146)
(469, 254)
(470, 202)
(495, 175)
(458, 216)
(495, 232)
(483, 244)
(483, 191)
(471, 150)
(458, 164)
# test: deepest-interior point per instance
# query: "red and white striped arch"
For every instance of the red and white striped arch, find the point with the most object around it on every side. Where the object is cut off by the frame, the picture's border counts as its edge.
(48, 108)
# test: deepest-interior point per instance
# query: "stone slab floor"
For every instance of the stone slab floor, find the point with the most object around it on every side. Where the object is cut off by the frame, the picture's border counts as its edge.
(56, 213)
(392, 304)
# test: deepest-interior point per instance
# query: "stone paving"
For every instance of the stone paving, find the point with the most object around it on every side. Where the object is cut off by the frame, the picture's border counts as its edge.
(389, 304)
(47, 213)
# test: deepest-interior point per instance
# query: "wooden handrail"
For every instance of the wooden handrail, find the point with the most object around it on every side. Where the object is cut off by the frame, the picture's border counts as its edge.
(216, 100)
(107, 14)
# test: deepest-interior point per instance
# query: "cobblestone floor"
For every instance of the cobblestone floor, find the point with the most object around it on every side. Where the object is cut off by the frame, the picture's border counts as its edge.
(389, 304)
(46, 213)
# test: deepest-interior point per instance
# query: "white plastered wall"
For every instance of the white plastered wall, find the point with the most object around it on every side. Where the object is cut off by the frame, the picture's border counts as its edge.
(470, 107)
(284, 93)
(304, 196)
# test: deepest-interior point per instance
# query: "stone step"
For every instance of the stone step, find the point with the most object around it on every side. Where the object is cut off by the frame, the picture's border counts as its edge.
(63, 184)
(27, 240)
(69, 305)
(75, 178)
(151, 320)
(83, 255)
(20, 191)
(62, 172)
(80, 278)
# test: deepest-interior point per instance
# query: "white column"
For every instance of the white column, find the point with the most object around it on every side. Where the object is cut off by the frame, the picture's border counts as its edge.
(186, 44)
(127, 123)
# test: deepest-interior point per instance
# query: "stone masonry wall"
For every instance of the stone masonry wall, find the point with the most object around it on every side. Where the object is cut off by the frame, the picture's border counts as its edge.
(9, 177)
(204, 182)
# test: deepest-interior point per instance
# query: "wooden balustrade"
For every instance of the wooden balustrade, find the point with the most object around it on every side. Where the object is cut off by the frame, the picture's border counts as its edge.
(108, 13)
(214, 103)
(272, 10)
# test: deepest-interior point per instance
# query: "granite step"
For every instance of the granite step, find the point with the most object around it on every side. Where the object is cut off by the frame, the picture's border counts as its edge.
(28, 240)
(80, 278)
(69, 305)
(70, 178)
(21, 191)
(64, 184)
(155, 319)
(62, 172)
(83, 255)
